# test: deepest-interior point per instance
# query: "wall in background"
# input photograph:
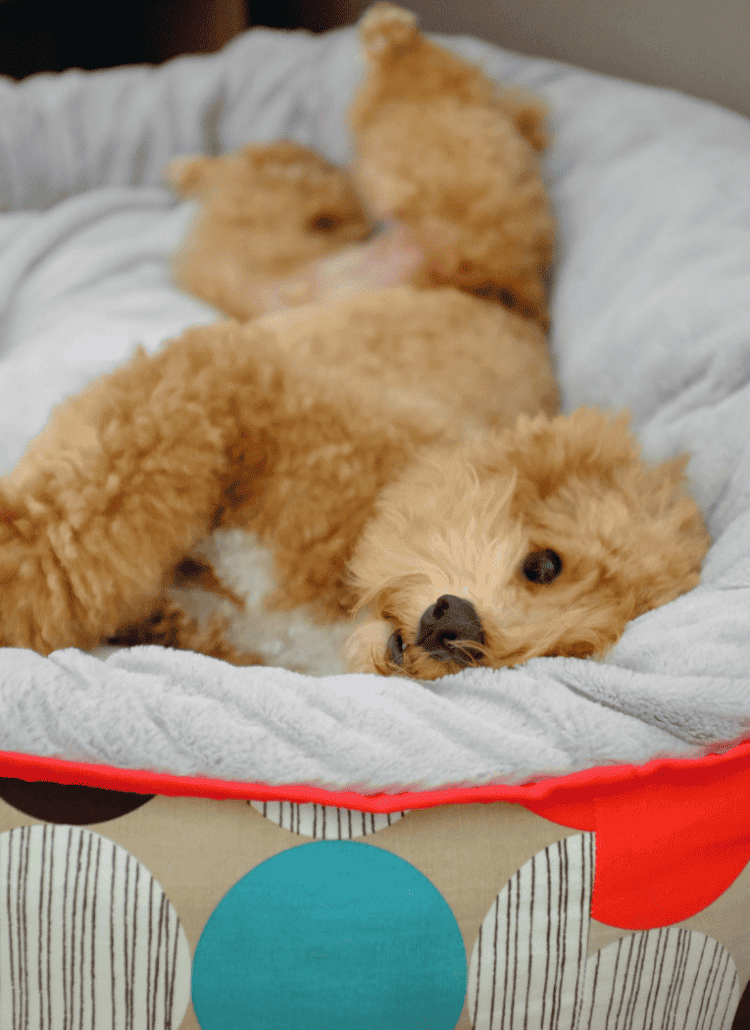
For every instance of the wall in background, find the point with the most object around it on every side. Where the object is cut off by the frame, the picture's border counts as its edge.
(700, 47)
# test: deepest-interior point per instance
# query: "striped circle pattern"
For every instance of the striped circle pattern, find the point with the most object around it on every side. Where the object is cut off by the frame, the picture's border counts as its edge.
(671, 978)
(331, 932)
(528, 961)
(530, 968)
(325, 822)
(88, 940)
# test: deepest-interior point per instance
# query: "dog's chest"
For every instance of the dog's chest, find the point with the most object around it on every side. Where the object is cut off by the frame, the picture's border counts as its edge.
(290, 639)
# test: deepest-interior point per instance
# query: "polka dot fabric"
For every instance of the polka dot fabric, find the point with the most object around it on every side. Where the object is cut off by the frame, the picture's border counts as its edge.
(146, 912)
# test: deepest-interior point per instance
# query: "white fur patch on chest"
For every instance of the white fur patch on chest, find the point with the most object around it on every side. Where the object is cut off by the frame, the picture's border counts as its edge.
(293, 640)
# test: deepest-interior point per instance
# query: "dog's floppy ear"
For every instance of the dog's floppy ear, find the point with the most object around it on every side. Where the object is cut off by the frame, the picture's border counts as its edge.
(663, 490)
(184, 173)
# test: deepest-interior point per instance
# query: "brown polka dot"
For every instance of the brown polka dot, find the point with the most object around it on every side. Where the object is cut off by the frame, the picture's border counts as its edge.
(69, 803)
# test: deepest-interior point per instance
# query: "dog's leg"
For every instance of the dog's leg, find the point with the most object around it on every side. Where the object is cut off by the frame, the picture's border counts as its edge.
(219, 275)
(119, 486)
(169, 626)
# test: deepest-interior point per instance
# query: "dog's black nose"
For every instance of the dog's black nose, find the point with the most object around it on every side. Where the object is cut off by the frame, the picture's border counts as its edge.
(450, 618)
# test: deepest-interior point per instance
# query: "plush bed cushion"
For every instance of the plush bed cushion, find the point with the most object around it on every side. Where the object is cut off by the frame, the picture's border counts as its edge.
(651, 307)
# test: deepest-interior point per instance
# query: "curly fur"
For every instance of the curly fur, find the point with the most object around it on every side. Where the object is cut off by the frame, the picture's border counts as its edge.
(445, 160)
(462, 520)
(443, 152)
(265, 211)
(391, 446)
(382, 499)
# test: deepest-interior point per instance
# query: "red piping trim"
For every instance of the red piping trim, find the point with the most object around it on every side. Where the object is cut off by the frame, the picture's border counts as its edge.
(554, 790)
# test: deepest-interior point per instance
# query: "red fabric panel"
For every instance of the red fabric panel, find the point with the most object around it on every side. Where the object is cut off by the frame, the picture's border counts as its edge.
(668, 848)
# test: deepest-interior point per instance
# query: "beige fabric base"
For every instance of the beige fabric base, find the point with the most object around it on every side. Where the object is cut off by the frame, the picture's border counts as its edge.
(197, 849)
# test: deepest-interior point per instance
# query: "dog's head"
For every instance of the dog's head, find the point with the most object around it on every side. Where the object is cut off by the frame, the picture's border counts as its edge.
(546, 539)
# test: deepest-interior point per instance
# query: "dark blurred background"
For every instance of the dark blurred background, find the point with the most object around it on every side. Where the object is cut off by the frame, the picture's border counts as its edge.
(52, 35)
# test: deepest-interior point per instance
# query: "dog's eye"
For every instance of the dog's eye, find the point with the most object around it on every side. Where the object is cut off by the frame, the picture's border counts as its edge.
(542, 566)
(395, 649)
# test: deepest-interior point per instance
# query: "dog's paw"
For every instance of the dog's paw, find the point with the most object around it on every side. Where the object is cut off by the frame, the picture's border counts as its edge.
(184, 172)
(36, 599)
(366, 650)
(386, 28)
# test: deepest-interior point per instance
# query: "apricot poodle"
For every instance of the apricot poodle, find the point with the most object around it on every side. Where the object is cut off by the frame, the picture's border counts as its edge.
(469, 533)
(385, 424)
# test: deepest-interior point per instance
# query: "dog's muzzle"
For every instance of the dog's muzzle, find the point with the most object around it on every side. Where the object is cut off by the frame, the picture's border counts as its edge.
(450, 619)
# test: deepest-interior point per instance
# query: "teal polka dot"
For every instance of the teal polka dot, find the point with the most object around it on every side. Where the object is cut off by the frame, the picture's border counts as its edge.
(332, 935)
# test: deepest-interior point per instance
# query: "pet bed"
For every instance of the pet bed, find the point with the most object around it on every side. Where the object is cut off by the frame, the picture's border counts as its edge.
(563, 844)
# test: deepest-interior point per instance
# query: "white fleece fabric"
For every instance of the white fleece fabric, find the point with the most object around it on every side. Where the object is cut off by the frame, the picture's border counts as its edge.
(651, 310)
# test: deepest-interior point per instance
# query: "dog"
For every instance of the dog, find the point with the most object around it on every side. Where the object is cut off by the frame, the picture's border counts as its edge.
(385, 478)
(385, 422)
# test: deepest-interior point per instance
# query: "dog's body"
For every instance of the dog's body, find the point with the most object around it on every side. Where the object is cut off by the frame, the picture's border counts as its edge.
(288, 427)
(553, 533)
(395, 449)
